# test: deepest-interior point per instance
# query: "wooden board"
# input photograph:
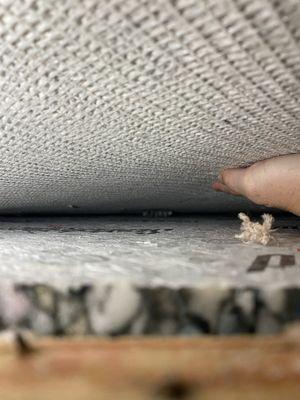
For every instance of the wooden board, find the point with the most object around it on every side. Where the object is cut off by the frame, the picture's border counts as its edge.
(208, 368)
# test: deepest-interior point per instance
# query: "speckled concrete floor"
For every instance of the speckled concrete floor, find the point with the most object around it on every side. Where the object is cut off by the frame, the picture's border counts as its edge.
(177, 251)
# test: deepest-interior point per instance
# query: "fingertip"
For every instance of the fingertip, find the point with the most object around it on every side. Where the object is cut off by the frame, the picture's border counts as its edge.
(216, 186)
(234, 179)
(220, 187)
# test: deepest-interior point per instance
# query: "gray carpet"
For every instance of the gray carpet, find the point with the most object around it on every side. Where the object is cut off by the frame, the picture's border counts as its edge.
(117, 106)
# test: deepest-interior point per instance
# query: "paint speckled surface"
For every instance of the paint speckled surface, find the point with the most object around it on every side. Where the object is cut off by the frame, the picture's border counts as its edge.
(176, 251)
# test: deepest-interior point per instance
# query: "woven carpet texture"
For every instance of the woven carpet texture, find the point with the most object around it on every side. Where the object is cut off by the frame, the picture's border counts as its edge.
(127, 105)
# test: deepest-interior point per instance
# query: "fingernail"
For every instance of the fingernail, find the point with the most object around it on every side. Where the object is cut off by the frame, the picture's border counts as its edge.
(216, 186)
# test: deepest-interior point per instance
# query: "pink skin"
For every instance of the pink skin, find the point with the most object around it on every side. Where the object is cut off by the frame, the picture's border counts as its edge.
(274, 182)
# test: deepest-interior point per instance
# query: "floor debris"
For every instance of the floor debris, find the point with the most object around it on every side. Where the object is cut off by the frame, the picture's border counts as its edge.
(254, 232)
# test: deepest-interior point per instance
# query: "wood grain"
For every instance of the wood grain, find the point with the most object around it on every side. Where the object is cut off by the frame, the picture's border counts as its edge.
(208, 368)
